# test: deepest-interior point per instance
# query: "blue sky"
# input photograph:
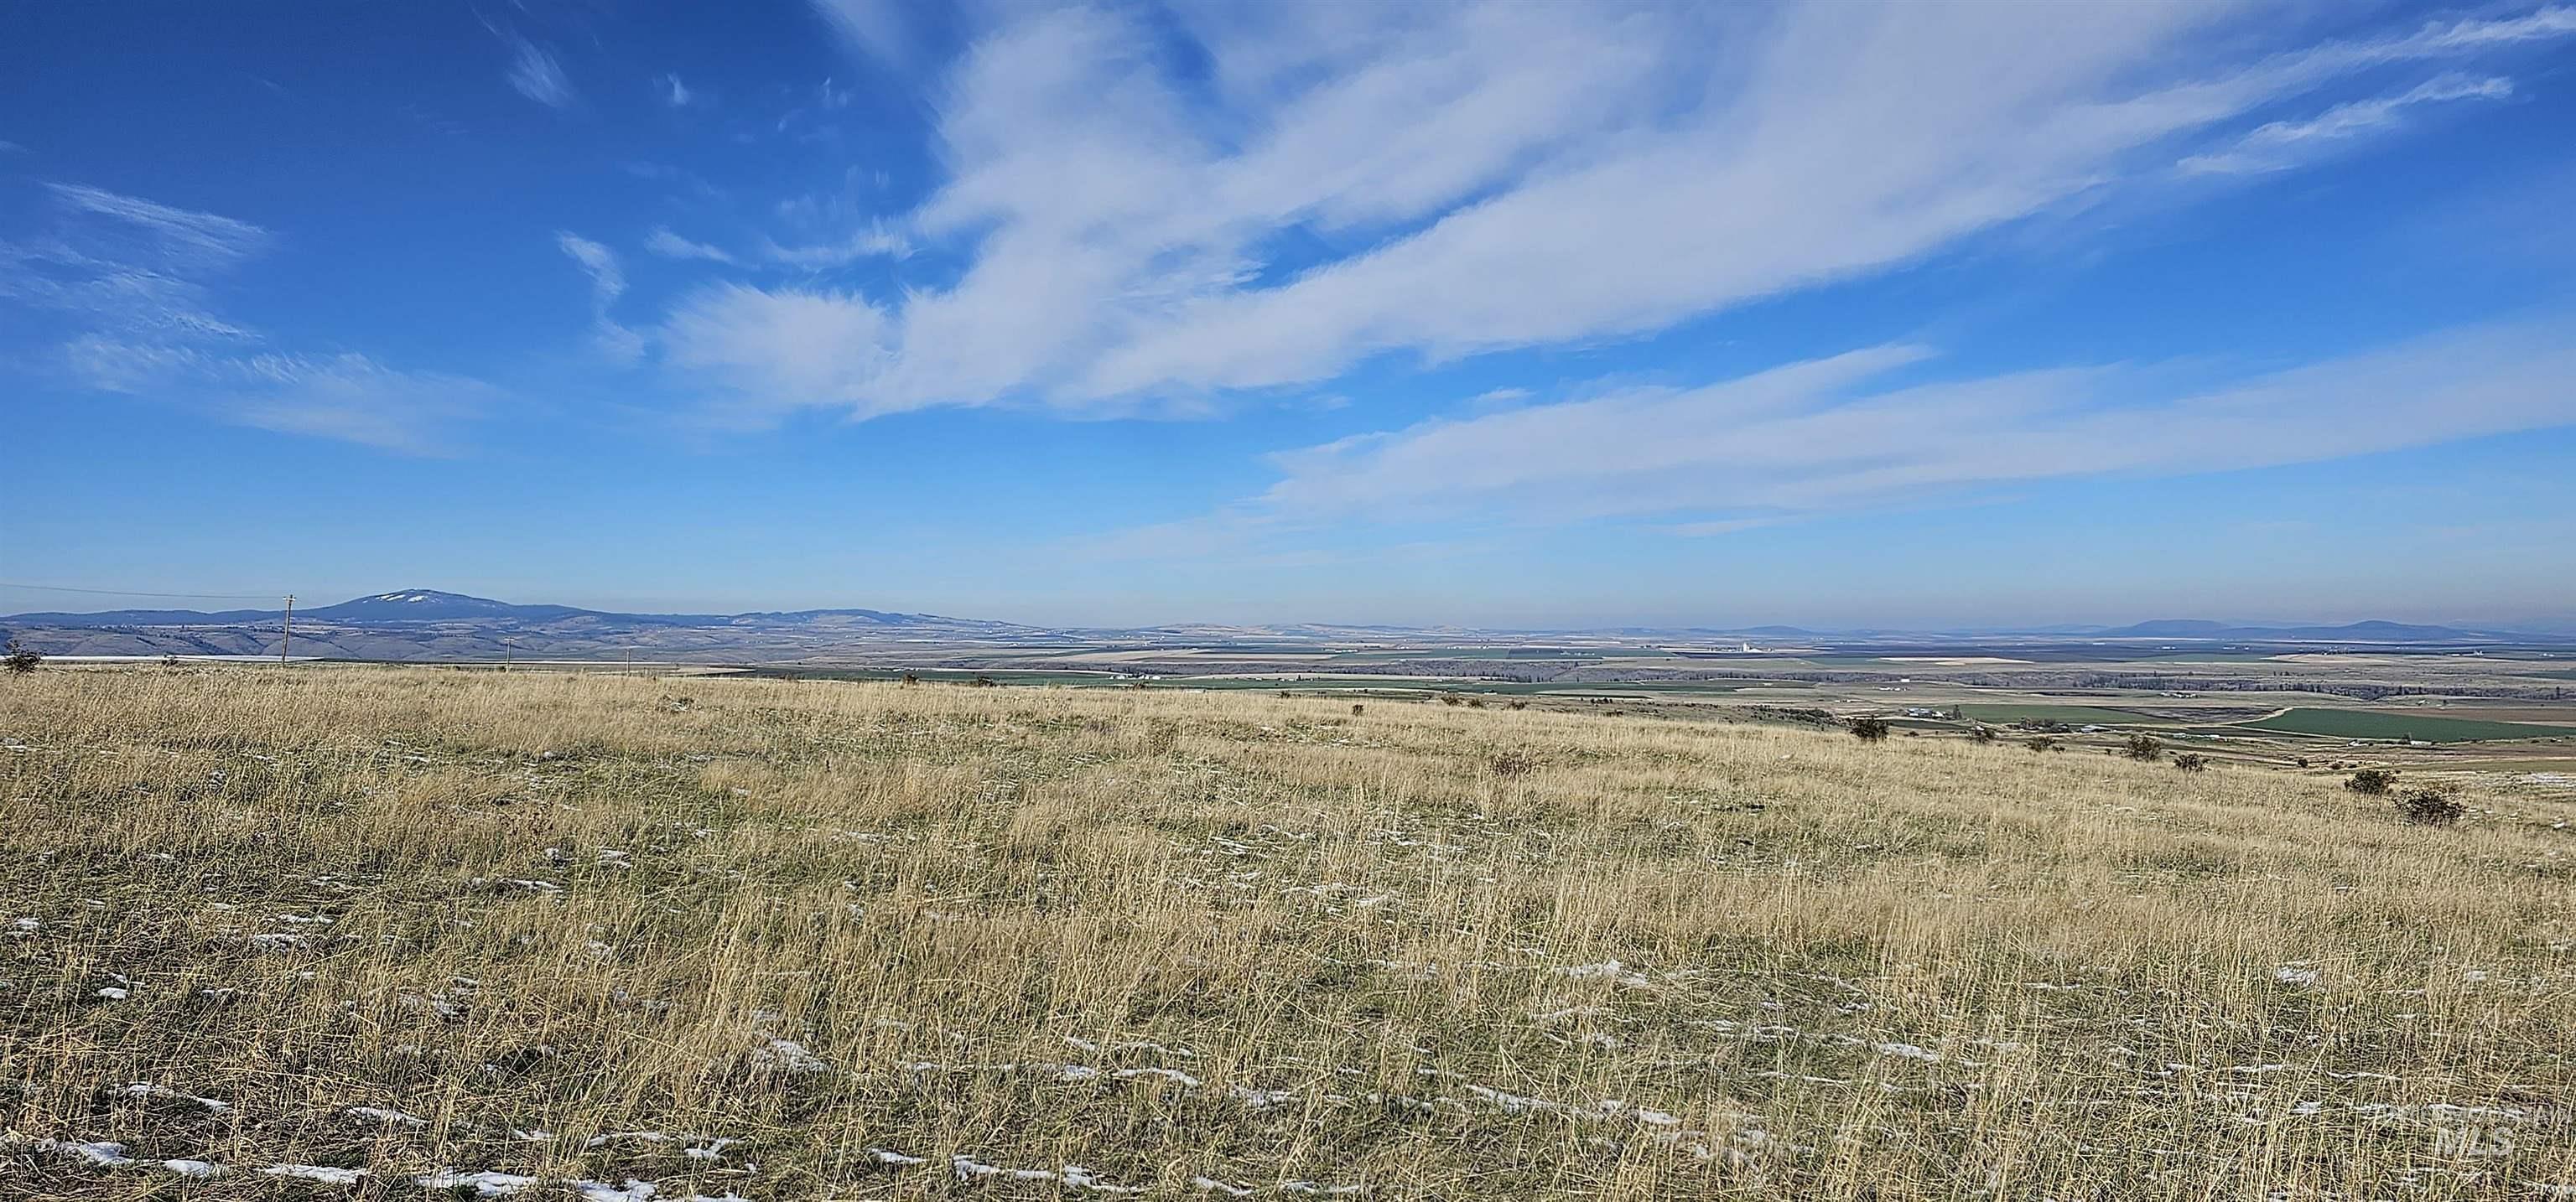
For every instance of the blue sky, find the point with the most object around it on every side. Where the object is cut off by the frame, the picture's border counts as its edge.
(1594, 314)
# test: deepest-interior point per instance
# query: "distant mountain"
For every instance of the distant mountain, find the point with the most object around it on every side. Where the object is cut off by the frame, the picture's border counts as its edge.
(431, 605)
(431, 625)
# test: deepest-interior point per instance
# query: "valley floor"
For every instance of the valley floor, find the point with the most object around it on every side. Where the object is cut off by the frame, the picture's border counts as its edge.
(327, 932)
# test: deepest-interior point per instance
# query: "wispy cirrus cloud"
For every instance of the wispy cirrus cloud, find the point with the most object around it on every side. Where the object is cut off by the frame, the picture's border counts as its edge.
(1825, 435)
(536, 74)
(1489, 178)
(1834, 435)
(2282, 145)
(607, 283)
(669, 245)
(876, 241)
(117, 296)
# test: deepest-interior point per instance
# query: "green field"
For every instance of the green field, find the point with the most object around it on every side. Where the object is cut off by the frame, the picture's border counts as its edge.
(2072, 715)
(2381, 724)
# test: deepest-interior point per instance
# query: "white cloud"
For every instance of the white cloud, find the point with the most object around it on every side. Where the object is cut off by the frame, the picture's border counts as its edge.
(607, 283)
(2282, 145)
(1485, 178)
(781, 349)
(881, 29)
(675, 93)
(672, 246)
(536, 74)
(121, 289)
(170, 238)
(1820, 435)
(347, 396)
(875, 241)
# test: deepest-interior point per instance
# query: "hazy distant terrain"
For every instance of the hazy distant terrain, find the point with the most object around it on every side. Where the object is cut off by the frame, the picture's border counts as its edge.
(429, 626)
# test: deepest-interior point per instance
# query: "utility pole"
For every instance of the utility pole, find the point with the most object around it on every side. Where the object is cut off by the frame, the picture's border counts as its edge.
(287, 638)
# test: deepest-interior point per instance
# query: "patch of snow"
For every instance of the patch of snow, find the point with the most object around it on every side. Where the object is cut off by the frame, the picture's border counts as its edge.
(105, 1155)
(144, 1090)
(789, 1056)
(315, 1172)
(487, 1183)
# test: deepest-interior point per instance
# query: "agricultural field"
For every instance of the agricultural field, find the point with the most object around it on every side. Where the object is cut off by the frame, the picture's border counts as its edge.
(2403, 725)
(2072, 715)
(343, 933)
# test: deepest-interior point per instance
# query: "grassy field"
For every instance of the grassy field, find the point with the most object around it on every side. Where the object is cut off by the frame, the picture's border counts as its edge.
(2072, 715)
(2390, 724)
(326, 933)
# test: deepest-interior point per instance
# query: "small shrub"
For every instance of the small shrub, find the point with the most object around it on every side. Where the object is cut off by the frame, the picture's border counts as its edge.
(1513, 762)
(911, 677)
(2191, 761)
(1518, 704)
(1981, 734)
(1283, 694)
(1452, 699)
(21, 659)
(1358, 708)
(2303, 761)
(173, 662)
(2146, 747)
(982, 681)
(1869, 730)
(2431, 806)
(1475, 703)
(2374, 782)
(2040, 743)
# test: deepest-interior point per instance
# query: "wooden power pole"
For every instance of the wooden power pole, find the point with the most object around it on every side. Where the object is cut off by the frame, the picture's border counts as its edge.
(286, 640)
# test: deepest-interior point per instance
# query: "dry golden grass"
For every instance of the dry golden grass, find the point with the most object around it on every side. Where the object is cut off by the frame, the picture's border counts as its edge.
(869, 941)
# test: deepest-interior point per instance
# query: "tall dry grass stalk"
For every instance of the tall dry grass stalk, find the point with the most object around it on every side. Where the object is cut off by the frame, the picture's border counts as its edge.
(784, 940)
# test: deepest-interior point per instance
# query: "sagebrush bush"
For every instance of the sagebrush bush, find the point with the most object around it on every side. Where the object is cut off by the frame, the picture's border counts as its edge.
(2372, 781)
(2145, 747)
(1513, 761)
(2191, 761)
(2433, 805)
(1869, 730)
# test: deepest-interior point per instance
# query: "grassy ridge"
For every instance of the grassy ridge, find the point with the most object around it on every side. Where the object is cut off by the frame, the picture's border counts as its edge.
(786, 940)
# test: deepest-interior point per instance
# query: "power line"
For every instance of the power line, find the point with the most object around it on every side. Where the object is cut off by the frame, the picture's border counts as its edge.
(114, 592)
